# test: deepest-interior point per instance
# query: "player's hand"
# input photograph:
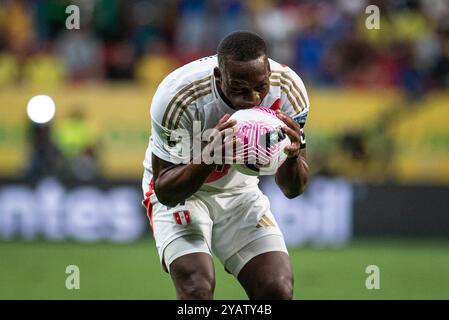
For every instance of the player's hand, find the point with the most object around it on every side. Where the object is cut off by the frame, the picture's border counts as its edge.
(222, 140)
(292, 129)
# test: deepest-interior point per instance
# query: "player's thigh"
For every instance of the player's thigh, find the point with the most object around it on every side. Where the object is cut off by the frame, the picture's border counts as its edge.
(251, 221)
(263, 268)
(268, 276)
(191, 267)
(181, 222)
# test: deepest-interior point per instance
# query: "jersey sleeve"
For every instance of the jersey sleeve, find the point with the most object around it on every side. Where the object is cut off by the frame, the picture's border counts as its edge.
(294, 99)
(171, 127)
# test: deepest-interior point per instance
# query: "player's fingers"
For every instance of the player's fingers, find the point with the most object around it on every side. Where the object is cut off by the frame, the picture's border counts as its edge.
(223, 122)
(292, 150)
(217, 138)
(227, 124)
(294, 147)
(288, 121)
(229, 152)
(227, 134)
(292, 134)
(224, 118)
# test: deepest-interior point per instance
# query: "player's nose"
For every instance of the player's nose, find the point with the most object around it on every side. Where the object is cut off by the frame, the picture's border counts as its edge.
(254, 100)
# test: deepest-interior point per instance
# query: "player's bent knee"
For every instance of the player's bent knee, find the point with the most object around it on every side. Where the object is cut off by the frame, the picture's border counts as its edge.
(193, 277)
(279, 287)
(196, 287)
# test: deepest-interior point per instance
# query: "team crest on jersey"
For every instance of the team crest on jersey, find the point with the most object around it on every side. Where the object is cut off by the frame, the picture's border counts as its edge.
(182, 217)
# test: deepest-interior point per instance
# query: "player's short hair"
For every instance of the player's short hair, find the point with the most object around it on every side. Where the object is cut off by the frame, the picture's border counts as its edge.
(241, 46)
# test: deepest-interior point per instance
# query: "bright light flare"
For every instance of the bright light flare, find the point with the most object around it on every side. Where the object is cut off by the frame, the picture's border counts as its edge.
(41, 109)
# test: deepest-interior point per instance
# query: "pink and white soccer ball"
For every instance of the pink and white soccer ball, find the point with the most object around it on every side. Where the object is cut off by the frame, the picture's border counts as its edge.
(263, 141)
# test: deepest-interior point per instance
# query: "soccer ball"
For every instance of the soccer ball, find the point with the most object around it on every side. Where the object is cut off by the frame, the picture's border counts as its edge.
(262, 141)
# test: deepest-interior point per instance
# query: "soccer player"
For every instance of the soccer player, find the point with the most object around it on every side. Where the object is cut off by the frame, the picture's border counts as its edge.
(197, 208)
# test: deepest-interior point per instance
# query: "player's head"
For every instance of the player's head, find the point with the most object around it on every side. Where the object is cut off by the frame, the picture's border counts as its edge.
(243, 72)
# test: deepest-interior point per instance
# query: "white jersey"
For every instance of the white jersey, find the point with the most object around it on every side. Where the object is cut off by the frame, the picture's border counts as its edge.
(189, 94)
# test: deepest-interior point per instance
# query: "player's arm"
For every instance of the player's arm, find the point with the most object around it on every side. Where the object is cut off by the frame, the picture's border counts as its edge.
(293, 175)
(173, 183)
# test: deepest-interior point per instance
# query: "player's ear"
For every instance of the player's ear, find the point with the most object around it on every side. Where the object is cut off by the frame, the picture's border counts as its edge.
(217, 74)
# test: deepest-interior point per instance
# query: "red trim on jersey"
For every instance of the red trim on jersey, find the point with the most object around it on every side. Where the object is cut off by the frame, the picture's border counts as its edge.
(284, 65)
(276, 105)
(215, 175)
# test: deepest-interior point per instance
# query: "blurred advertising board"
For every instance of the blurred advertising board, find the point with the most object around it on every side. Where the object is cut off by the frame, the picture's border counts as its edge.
(330, 213)
(113, 212)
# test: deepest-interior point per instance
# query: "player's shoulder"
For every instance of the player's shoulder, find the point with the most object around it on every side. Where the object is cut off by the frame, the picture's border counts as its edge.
(290, 85)
(182, 89)
(284, 73)
(197, 74)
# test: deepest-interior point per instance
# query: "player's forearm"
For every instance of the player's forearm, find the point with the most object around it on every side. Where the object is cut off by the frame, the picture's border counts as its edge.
(292, 176)
(176, 184)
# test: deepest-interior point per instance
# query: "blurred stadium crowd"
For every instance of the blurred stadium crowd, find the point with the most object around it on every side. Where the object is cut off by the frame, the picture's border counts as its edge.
(327, 42)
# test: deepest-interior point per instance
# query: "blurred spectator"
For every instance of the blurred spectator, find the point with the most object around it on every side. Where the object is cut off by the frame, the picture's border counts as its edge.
(440, 71)
(280, 38)
(119, 60)
(107, 19)
(44, 70)
(146, 22)
(191, 35)
(18, 25)
(311, 50)
(74, 138)
(81, 53)
(155, 65)
(44, 156)
(9, 69)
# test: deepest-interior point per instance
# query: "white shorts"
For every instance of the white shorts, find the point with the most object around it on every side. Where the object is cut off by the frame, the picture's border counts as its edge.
(225, 223)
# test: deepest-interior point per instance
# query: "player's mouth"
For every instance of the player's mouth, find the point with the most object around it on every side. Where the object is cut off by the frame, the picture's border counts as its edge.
(246, 106)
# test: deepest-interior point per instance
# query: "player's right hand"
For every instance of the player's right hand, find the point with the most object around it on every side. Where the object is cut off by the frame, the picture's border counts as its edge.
(222, 141)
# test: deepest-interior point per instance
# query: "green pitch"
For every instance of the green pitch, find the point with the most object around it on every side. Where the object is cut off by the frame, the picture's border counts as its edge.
(408, 270)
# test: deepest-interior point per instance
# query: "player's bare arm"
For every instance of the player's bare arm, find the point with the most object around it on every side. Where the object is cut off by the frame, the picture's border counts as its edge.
(173, 183)
(293, 175)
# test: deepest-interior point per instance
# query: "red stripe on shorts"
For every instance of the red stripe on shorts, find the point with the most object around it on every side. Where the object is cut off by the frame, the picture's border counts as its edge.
(148, 204)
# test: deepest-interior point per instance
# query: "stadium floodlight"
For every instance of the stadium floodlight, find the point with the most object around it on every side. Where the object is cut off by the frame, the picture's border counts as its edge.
(41, 109)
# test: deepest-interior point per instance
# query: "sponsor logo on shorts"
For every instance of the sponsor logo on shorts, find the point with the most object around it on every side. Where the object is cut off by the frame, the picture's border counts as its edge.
(265, 222)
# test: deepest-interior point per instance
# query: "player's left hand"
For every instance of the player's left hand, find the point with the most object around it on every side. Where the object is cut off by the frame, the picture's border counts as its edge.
(292, 129)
